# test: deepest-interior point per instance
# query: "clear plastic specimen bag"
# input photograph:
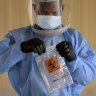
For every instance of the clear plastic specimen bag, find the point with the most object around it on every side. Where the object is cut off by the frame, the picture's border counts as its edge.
(53, 69)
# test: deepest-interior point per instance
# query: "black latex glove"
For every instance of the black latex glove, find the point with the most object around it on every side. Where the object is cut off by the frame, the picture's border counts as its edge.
(66, 50)
(33, 45)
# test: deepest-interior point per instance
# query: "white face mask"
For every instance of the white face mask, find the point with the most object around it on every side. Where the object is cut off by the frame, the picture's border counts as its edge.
(48, 22)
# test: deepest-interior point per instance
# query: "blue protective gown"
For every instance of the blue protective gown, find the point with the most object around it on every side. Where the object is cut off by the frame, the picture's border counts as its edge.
(23, 71)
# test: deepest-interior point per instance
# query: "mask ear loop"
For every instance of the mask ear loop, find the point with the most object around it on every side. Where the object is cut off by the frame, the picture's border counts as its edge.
(30, 12)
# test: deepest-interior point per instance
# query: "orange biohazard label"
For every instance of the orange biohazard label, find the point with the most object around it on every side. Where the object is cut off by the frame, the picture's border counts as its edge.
(52, 64)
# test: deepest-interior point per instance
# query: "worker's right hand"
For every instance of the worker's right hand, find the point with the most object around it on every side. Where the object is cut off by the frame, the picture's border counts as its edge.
(33, 45)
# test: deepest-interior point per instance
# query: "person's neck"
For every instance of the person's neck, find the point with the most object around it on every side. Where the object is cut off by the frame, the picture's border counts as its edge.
(39, 28)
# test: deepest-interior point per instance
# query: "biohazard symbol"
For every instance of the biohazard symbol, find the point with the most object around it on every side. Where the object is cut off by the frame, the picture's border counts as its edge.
(52, 64)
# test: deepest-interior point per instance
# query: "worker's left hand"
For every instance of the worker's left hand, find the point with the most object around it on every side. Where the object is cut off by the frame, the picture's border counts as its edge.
(66, 50)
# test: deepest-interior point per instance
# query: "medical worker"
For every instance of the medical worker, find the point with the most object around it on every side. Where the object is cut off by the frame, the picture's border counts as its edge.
(18, 47)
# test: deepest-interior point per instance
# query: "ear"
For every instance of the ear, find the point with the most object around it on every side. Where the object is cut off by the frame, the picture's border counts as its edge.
(34, 7)
(62, 8)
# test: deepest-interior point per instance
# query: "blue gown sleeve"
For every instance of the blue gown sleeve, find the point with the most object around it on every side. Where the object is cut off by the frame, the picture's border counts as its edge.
(10, 53)
(83, 68)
